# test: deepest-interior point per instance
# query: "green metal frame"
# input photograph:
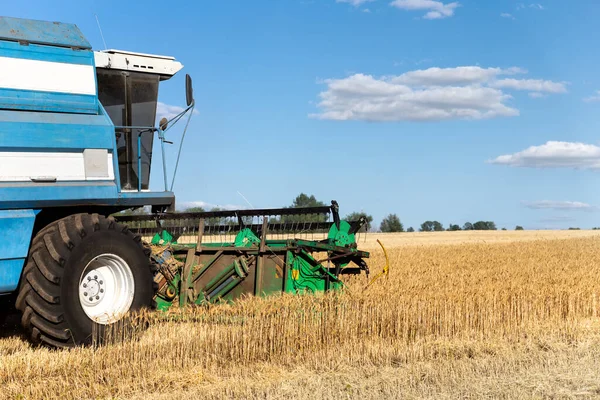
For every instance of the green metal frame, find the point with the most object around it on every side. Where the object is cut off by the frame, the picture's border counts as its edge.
(215, 272)
(251, 263)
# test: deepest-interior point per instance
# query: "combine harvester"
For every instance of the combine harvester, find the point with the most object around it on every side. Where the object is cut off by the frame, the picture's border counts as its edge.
(76, 138)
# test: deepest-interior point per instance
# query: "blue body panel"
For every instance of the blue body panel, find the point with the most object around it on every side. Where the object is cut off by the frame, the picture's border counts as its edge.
(46, 53)
(41, 195)
(47, 101)
(23, 130)
(43, 32)
(16, 227)
(10, 273)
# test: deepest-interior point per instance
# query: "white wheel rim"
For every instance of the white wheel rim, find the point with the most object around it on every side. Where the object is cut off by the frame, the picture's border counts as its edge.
(106, 288)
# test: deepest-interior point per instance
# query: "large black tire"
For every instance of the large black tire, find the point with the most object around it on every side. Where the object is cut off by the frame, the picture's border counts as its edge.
(49, 290)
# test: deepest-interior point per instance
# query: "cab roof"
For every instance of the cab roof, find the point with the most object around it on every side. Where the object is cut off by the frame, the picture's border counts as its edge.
(42, 32)
(164, 66)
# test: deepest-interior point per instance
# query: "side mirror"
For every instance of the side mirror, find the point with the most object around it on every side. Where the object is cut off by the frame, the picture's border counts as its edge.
(189, 90)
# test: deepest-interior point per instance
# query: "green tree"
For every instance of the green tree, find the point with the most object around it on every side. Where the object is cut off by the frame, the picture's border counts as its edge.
(468, 226)
(355, 216)
(431, 226)
(480, 226)
(411, 229)
(426, 226)
(503, 229)
(303, 200)
(454, 228)
(484, 226)
(391, 223)
(519, 228)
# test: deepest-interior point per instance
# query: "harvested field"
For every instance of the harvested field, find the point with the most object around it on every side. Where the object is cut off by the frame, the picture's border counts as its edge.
(466, 314)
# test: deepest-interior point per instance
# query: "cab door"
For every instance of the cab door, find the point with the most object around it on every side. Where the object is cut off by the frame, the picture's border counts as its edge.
(130, 100)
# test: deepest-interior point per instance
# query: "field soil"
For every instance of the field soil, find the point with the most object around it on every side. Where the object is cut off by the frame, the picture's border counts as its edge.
(512, 315)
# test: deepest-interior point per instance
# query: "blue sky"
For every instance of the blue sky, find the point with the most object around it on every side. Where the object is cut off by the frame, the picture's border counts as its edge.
(454, 111)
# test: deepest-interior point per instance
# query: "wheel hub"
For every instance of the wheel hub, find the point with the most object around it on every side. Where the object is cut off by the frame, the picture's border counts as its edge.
(91, 289)
(106, 288)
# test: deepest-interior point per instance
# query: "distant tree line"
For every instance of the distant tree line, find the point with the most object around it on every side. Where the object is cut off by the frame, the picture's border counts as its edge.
(392, 223)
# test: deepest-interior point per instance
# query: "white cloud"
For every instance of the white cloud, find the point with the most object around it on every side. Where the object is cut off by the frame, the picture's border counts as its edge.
(436, 9)
(366, 10)
(558, 205)
(453, 76)
(362, 97)
(593, 98)
(168, 111)
(554, 155)
(533, 85)
(433, 94)
(355, 3)
(507, 15)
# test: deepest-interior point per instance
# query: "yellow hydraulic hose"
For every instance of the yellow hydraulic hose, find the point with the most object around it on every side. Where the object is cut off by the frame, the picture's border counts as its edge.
(386, 268)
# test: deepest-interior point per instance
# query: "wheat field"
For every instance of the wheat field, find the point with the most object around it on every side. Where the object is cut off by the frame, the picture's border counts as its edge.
(461, 315)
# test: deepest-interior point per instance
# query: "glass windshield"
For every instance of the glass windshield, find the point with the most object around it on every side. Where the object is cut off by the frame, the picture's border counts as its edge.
(130, 100)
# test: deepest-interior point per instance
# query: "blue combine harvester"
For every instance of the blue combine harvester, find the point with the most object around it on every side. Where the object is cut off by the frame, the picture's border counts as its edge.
(76, 137)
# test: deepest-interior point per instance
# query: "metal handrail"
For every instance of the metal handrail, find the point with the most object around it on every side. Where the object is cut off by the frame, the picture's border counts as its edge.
(161, 136)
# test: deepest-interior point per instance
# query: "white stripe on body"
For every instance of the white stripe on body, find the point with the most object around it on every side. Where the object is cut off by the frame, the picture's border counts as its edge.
(47, 76)
(30, 166)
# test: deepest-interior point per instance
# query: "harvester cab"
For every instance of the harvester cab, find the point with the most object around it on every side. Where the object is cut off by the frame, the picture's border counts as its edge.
(76, 137)
(128, 90)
